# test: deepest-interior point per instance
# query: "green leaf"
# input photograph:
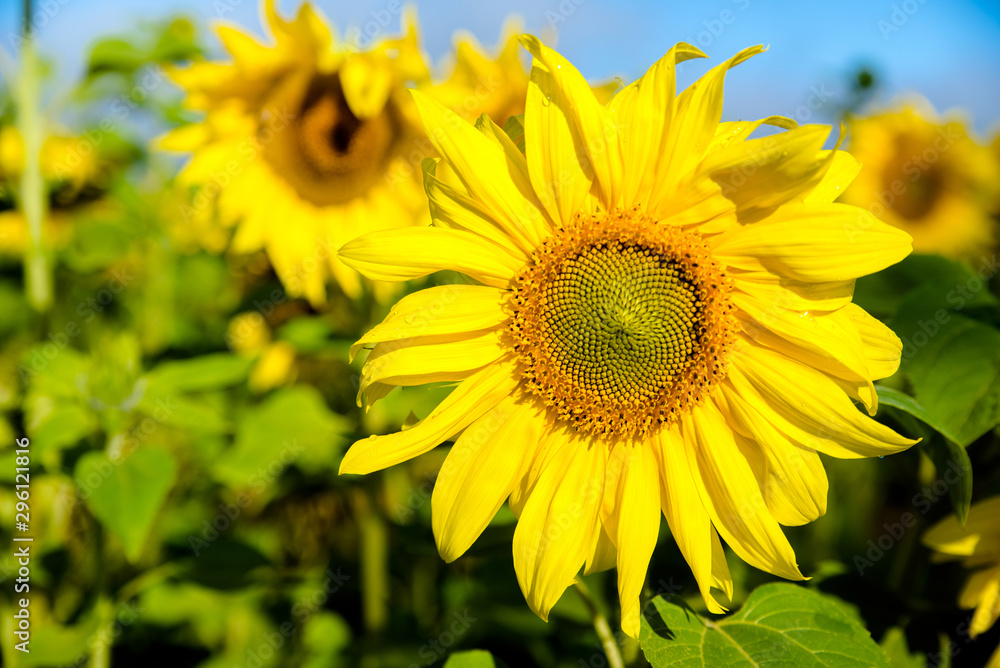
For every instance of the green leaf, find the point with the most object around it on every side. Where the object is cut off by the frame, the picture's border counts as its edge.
(895, 647)
(952, 457)
(113, 54)
(292, 425)
(938, 444)
(780, 624)
(201, 374)
(953, 284)
(55, 645)
(309, 335)
(888, 396)
(476, 658)
(61, 426)
(125, 495)
(953, 364)
(325, 636)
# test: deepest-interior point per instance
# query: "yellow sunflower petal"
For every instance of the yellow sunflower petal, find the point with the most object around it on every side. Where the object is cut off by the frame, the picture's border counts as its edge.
(730, 493)
(451, 208)
(689, 521)
(796, 295)
(471, 399)
(557, 165)
(828, 342)
(402, 254)
(792, 479)
(882, 348)
(646, 108)
(592, 125)
(419, 364)
(604, 557)
(988, 610)
(442, 310)
(479, 473)
(842, 171)
(808, 399)
(367, 85)
(560, 522)
(698, 110)
(635, 521)
(760, 175)
(950, 537)
(482, 166)
(244, 48)
(815, 242)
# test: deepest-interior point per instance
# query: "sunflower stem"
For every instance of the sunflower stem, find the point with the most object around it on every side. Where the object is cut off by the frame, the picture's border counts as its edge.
(374, 561)
(38, 283)
(600, 622)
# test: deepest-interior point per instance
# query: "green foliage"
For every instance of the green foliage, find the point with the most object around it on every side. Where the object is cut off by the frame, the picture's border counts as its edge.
(476, 658)
(125, 494)
(779, 624)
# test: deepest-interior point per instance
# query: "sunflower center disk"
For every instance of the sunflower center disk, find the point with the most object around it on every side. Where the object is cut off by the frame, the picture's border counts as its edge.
(620, 322)
(328, 154)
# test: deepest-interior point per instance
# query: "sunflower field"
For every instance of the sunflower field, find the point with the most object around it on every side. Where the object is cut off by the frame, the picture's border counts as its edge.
(647, 334)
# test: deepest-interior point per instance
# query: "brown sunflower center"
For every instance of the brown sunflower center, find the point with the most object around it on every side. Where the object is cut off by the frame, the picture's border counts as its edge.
(621, 323)
(328, 154)
(915, 182)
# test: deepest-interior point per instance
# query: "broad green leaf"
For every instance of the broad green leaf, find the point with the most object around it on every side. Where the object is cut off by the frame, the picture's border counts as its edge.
(942, 447)
(953, 284)
(951, 460)
(476, 658)
(125, 495)
(184, 412)
(292, 425)
(888, 396)
(780, 624)
(953, 364)
(54, 425)
(895, 648)
(201, 374)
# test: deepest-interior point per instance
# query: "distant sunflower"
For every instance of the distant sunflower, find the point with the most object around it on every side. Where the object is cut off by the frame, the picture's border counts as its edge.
(301, 144)
(662, 321)
(495, 85)
(75, 179)
(927, 176)
(978, 545)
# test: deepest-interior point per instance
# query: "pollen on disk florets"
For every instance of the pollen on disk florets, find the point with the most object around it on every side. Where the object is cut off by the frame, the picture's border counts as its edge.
(620, 322)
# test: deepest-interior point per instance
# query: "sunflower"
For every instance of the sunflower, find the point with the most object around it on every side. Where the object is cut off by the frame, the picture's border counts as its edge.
(926, 175)
(495, 85)
(75, 177)
(661, 320)
(978, 544)
(303, 144)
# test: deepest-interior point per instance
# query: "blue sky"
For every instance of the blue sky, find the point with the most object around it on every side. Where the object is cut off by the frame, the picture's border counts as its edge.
(947, 51)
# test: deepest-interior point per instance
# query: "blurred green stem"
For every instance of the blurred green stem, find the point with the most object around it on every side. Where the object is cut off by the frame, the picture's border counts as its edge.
(600, 623)
(100, 644)
(38, 283)
(374, 560)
